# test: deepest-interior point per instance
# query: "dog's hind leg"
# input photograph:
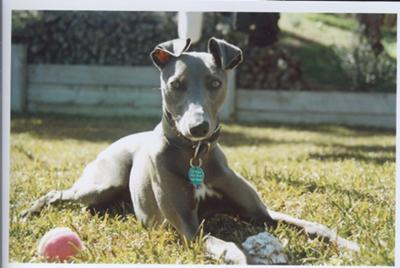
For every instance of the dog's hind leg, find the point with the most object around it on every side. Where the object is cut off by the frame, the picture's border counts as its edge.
(90, 196)
(103, 180)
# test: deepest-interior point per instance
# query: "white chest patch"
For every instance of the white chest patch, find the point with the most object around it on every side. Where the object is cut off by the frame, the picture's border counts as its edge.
(203, 191)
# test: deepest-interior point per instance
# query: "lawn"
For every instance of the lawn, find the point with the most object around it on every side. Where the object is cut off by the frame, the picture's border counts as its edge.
(339, 176)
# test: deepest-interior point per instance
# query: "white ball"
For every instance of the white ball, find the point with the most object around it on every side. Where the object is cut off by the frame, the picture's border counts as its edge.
(265, 249)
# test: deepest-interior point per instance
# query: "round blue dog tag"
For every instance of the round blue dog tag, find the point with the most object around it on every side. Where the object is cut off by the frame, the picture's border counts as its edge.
(196, 175)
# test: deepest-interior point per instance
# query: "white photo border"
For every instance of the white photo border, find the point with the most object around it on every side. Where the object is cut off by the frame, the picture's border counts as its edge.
(8, 6)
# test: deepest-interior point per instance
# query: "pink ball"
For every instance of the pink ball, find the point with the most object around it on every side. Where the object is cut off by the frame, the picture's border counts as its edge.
(59, 244)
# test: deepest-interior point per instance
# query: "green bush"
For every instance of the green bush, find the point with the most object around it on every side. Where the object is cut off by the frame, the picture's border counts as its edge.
(87, 37)
(21, 20)
(366, 70)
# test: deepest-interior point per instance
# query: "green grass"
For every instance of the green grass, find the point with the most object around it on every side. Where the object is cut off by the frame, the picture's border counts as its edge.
(339, 176)
(315, 39)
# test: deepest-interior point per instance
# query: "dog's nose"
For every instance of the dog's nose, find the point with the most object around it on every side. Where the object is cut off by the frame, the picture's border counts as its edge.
(200, 130)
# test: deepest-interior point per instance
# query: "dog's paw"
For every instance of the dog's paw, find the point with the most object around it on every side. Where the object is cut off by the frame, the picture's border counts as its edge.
(229, 252)
(25, 214)
(33, 210)
(319, 230)
(233, 255)
(350, 245)
(40, 203)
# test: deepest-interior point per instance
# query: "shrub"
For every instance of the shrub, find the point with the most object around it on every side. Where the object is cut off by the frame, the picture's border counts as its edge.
(366, 70)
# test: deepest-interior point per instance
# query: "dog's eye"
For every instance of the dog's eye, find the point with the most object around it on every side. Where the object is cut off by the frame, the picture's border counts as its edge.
(176, 84)
(215, 84)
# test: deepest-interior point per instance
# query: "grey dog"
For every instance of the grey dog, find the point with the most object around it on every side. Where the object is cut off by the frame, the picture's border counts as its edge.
(154, 165)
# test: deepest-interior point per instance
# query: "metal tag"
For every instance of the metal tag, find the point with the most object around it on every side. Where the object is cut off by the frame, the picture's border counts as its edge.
(196, 175)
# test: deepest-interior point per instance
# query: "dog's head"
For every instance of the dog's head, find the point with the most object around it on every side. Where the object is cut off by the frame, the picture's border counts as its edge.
(194, 84)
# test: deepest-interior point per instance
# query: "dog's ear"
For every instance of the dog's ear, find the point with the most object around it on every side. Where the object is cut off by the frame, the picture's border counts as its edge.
(164, 52)
(226, 56)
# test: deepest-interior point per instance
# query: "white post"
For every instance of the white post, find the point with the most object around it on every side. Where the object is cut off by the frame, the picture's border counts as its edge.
(190, 25)
(18, 78)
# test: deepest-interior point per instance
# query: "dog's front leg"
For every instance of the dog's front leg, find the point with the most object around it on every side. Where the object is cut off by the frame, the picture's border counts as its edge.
(178, 206)
(188, 226)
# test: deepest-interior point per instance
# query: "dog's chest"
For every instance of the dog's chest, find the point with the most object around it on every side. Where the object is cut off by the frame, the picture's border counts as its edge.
(205, 191)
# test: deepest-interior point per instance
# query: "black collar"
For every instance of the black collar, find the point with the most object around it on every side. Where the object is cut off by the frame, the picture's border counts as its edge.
(181, 142)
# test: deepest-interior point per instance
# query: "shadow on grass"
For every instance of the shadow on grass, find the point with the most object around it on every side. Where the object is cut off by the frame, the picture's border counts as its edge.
(367, 148)
(313, 186)
(120, 207)
(117, 209)
(230, 228)
(51, 127)
(94, 129)
(59, 127)
(232, 139)
(352, 155)
(365, 153)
